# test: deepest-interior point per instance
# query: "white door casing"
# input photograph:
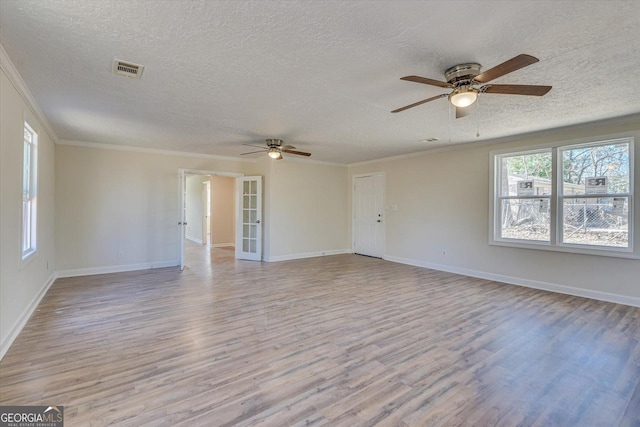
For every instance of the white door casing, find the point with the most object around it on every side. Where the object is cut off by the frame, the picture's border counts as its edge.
(182, 212)
(249, 218)
(368, 215)
(206, 212)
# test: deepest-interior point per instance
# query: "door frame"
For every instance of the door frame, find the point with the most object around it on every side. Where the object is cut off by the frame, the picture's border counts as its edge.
(206, 213)
(384, 208)
(182, 182)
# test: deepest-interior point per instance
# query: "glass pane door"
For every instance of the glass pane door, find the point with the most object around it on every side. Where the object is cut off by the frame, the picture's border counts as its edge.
(249, 231)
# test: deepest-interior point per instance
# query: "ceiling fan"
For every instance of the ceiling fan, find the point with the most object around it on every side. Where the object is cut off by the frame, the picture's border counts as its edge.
(464, 79)
(274, 149)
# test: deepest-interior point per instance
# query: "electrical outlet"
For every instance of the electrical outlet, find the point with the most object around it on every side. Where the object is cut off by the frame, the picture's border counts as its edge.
(444, 253)
(120, 254)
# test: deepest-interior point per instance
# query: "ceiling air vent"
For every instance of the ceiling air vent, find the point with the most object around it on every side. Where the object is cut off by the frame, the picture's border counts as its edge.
(128, 69)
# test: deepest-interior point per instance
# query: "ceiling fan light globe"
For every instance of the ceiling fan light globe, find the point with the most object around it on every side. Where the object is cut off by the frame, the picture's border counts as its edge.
(274, 153)
(463, 99)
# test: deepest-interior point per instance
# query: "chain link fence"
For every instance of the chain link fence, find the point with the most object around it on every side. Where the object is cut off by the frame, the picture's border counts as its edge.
(601, 222)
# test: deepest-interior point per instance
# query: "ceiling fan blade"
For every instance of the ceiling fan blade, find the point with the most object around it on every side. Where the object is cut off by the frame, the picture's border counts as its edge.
(531, 90)
(426, 81)
(299, 153)
(506, 67)
(257, 146)
(287, 147)
(415, 104)
(463, 111)
(253, 152)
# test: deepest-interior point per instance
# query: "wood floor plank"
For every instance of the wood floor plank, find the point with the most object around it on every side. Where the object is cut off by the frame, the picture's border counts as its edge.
(339, 340)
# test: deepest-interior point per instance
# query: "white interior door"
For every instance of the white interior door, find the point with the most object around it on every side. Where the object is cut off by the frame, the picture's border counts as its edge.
(368, 215)
(182, 212)
(249, 218)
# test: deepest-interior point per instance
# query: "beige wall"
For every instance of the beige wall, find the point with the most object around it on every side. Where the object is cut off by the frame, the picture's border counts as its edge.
(308, 208)
(223, 211)
(112, 201)
(443, 205)
(22, 284)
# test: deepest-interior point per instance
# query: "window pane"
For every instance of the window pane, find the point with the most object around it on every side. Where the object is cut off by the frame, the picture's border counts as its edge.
(26, 171)
(534, 167)
(26, 225)
(28, 137)
(596, 221)
(29, 185)
(610, 161)
(525, 219)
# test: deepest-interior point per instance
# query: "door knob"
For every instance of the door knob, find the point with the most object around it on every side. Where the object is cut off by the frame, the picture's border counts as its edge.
(257, 221)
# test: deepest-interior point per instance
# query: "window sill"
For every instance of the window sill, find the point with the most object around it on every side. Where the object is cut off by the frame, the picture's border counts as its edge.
(580, 250)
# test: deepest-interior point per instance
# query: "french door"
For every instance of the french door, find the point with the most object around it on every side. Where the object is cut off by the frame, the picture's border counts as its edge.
(249, 218)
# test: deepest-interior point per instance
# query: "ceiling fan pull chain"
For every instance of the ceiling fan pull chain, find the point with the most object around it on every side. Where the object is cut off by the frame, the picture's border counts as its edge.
(451, 107)
(477, 119)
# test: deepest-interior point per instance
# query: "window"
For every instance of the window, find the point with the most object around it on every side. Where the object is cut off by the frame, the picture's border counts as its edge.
(29, 191)
(575, 198)
(525, 194)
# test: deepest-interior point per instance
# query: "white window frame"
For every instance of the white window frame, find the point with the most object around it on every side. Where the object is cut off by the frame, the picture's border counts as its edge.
(28, 236)
(555, 242)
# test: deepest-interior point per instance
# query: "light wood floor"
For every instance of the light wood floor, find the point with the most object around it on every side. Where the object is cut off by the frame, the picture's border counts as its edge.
(340, 340)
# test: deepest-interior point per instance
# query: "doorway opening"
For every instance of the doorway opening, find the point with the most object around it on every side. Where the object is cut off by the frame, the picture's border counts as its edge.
(208, 228)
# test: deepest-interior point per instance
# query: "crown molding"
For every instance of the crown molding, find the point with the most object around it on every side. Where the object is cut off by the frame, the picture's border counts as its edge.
(615, 125)
(114, 147)
(16, 79)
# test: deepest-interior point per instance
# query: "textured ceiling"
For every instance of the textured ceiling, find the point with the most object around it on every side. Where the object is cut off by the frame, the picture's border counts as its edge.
(321, 75)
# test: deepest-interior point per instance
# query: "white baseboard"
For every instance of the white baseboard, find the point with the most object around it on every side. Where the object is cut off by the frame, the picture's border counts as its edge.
(24, 317)
(222, 245)
(306, 255)
(116, 268)
(535, 284)
(193, 239)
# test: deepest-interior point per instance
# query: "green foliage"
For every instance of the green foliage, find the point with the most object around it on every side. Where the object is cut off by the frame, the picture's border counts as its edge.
(529, 165)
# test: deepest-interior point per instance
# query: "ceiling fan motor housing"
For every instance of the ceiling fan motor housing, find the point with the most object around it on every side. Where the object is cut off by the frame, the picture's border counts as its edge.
(274, 143)
(462, 73)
